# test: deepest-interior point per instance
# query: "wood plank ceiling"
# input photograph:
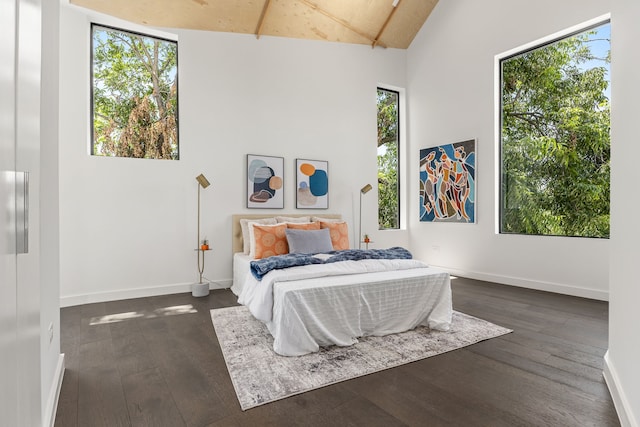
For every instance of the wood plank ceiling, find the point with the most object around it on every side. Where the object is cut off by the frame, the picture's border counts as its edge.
(384, 23)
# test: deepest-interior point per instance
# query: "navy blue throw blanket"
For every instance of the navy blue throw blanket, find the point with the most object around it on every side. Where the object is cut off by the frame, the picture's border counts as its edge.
(261, 267)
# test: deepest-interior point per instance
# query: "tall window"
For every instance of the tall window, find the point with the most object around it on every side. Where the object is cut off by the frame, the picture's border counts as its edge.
(134, 95)
(388, 155)
(555, 137)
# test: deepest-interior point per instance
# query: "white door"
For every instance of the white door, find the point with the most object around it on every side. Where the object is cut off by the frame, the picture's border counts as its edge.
(8, 257)
(20, 59)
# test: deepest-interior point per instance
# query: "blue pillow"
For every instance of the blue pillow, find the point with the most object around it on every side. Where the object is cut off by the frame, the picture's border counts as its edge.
(308, 241)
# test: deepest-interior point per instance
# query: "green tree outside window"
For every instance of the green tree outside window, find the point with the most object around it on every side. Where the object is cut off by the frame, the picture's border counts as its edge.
(555, 144)
(134, 95)
(388, 147)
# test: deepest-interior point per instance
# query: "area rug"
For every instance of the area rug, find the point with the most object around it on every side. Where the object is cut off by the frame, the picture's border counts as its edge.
(260, 376)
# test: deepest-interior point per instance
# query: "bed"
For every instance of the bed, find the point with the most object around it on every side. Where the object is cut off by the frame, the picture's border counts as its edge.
(322, 303)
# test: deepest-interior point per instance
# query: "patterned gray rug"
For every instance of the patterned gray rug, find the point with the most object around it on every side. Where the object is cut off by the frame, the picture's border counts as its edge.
(260, 376)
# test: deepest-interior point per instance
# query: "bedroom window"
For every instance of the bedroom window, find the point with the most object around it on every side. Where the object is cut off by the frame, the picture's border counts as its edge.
(388, 155)
(554, 142)
(134, 95)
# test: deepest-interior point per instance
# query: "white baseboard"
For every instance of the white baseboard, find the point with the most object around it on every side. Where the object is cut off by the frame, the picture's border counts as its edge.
(620, 401)
(558, 288)
(120, 294)
(49, 417)
(71, 300)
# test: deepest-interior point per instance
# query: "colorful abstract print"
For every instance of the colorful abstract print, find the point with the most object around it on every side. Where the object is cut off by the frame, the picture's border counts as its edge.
(447, 183)
(264, 181)
(313, 184)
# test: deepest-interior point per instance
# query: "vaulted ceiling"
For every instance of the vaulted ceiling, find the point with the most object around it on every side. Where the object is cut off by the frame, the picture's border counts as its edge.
(383, 23)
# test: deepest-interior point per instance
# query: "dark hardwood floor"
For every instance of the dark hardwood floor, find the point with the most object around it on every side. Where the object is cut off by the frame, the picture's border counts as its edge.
(162, 366)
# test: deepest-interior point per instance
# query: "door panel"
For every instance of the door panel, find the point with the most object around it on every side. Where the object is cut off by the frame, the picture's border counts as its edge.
(28, 79)
(20, 59)
(8, 309)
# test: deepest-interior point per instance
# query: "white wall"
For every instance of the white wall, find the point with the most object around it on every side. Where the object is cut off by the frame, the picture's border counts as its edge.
(621, 371)
(128, 226)
(451, 98)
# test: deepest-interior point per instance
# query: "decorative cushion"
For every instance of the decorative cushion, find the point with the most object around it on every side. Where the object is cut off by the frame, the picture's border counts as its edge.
(270, 240)
(339, 234)
(246, 236)
(303, 225)
(309, 241)
(293, 219)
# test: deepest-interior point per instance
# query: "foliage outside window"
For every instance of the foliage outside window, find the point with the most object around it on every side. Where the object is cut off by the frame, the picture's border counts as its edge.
(555, 138)
(134, 95)
(388, 148)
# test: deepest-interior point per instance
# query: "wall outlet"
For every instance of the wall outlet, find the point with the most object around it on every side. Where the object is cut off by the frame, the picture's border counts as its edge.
(50, 332)
(435, 248)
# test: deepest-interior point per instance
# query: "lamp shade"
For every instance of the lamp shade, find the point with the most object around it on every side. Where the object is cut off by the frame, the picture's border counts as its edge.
(366, 189)
(203, 181)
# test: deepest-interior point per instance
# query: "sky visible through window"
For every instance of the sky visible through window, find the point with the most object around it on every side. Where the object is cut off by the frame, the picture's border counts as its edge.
(600, 44)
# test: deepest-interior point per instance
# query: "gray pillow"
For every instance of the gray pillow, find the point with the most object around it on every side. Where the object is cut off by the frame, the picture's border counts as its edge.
(308, 241)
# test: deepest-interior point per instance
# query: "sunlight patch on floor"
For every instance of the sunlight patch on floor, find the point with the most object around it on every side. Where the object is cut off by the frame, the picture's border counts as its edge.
(159, 312)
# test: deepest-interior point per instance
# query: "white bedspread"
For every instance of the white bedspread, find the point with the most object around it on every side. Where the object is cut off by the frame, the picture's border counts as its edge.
(317, 305)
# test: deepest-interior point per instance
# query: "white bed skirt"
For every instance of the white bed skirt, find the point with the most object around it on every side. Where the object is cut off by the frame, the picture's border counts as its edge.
(337, 310)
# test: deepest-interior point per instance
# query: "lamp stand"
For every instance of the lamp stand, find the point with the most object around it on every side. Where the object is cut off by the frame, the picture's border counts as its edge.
(363, 190)
(200, 289)
(360, 224)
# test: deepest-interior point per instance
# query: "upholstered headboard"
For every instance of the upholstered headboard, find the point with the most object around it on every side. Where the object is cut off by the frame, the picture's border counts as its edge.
(237, 244)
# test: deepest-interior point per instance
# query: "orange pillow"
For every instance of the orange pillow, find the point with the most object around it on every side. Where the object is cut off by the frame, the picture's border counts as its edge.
(270, 240)
(339, 234)
(304, 225)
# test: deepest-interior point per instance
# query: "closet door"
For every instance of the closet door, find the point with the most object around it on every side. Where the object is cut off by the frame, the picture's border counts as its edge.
(8, 256)
(27, 110)
(20, 59)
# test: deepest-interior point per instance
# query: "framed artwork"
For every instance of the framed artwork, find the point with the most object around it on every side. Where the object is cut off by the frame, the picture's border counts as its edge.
(448, 183)
(312, 184)
(264, 182)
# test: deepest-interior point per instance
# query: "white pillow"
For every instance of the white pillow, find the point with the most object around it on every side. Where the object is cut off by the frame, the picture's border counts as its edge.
(317, 218)
(244, 225)
(293, 219)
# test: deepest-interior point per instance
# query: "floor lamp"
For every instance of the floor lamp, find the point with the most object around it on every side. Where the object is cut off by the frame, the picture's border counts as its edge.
(200, 289)
(363, 190)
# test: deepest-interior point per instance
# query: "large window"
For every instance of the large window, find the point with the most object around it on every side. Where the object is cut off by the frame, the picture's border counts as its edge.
(388, 155)
(555, 137)
(134, 95)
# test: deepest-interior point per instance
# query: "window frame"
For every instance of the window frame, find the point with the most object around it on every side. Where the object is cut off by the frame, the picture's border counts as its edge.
(400, 93)
(498, 122)
(146, 33)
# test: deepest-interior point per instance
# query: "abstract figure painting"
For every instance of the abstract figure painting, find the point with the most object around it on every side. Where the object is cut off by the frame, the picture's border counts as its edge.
(264, 182)
(448, 183)
(312, 184)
